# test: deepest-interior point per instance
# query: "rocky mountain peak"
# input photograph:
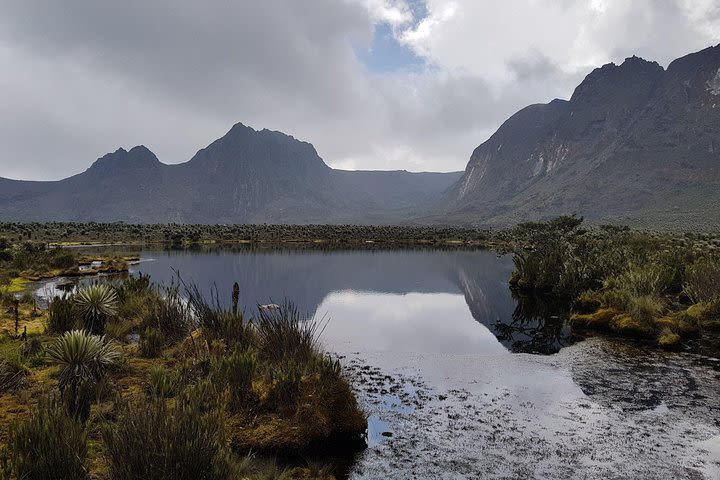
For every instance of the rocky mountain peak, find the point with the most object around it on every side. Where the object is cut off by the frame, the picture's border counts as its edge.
(137, 158)
(243, 147)
(634, 76)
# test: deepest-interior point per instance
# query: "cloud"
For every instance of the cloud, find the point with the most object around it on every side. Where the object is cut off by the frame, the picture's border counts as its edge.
(82, 77)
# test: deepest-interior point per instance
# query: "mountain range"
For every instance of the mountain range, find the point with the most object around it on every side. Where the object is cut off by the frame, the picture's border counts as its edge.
(635, 144)
(247, 176)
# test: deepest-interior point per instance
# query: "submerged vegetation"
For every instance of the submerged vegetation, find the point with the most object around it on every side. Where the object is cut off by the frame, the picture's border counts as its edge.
(660, 287)
(179, 386)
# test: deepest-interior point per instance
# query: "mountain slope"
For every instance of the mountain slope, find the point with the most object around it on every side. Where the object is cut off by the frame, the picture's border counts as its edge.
(634, 144)
(246, 176)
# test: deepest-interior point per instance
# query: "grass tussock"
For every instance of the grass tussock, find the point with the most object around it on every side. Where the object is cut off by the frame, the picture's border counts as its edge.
(184, 441)
(62, 315)
(46, 444)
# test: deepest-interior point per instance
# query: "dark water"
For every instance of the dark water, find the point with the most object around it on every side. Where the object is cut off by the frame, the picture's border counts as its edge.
(463, 379)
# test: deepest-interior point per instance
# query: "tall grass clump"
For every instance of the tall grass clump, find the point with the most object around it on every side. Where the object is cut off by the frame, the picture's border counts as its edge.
(164, 383)
(83, 361)
(646, 280)
(216, 321)
(62, 315)
(702, 280)
(133, 286)
(283, 334)
(646, 309)
(169, 313)
(236, 371)
(184, 441)
(13, 371)
(47, 444)
(151, 343)
(95, 305)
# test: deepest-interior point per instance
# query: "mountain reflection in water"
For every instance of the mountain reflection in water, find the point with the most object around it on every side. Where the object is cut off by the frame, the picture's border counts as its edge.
(423, 301)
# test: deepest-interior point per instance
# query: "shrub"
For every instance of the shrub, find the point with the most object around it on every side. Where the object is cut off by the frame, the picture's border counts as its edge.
(62, 315)
(236, 371)
(182, 442)
(13, 371)
(63, 259)
(151, 343)
(47, 445)
(702, 280)
(645, 309)
(169, 314)
(95, 304)
(83, 360)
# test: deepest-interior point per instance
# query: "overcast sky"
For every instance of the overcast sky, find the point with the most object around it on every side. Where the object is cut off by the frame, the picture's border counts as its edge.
(373, 84)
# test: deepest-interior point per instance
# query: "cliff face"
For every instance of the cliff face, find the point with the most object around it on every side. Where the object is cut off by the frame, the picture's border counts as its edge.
(635, 143)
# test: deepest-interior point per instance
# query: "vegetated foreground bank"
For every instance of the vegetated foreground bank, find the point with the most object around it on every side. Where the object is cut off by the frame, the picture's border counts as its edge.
(131, 380)
(657, 287)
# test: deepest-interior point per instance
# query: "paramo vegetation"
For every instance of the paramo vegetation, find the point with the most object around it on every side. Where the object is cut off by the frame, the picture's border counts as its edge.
(660, 287)
(129, 380)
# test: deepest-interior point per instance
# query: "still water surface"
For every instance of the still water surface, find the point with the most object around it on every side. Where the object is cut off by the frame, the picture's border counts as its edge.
(421, 301)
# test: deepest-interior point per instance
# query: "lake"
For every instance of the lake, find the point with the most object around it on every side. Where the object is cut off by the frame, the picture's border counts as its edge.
(462, 378)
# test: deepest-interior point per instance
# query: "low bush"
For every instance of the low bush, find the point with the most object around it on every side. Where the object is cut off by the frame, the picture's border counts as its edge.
(236, 371)
(180, 442)
(702, 280)
(151, 343)
(164, 383)
(47, 445)
(63, 259)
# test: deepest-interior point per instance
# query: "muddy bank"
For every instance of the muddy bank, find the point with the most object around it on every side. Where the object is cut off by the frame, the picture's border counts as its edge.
(598, 409)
